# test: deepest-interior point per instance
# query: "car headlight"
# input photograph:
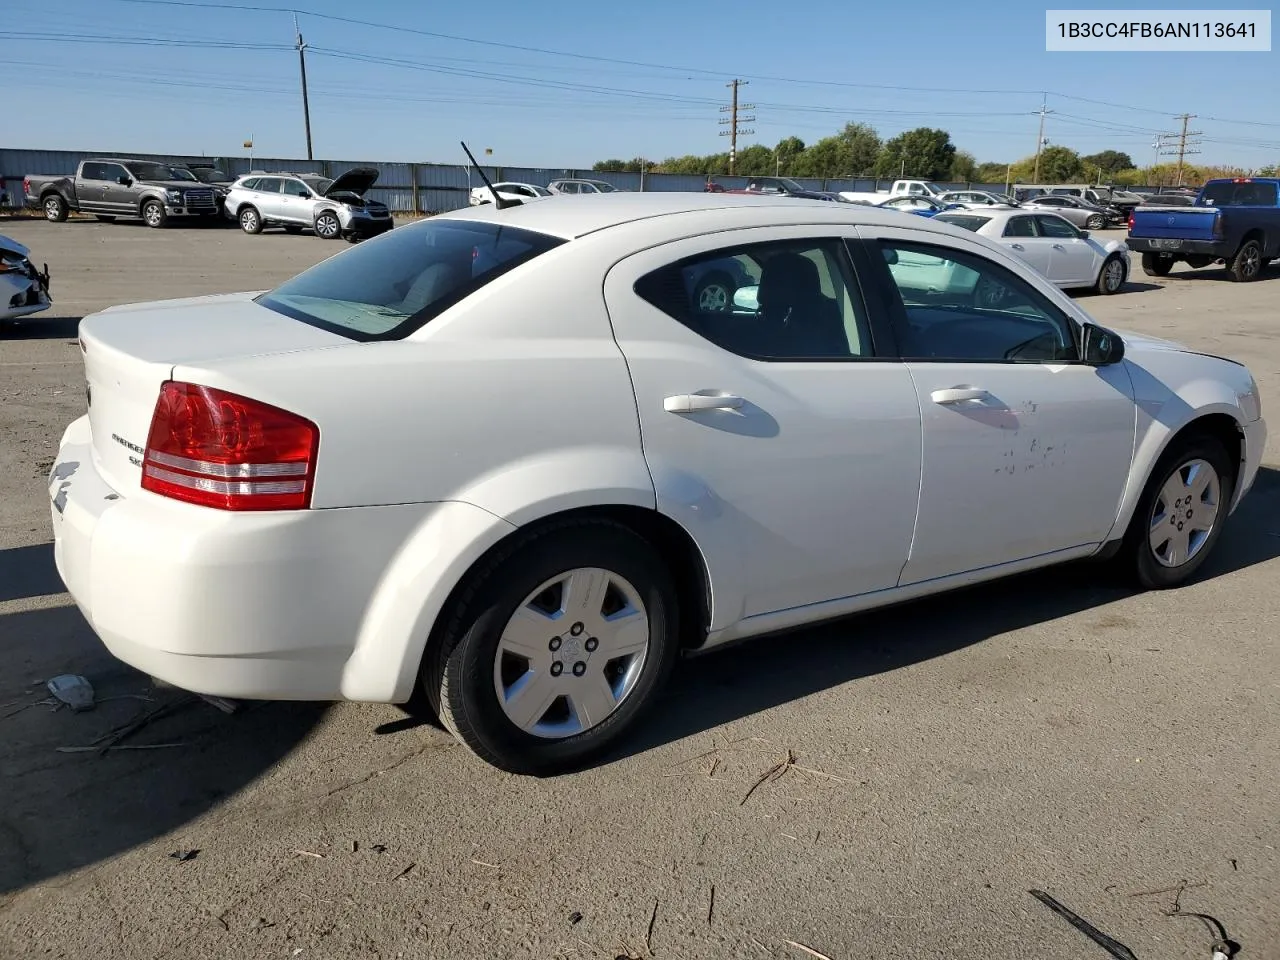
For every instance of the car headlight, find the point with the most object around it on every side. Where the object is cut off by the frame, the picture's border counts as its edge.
(1251, 401)
(174, 196)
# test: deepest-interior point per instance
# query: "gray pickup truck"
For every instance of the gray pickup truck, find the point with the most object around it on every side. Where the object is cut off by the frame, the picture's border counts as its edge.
(111, 189)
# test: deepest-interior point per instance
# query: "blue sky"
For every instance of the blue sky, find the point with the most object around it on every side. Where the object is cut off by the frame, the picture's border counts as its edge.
(395, 94)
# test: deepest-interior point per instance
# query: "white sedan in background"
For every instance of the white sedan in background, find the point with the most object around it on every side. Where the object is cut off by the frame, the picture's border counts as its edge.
(1060, 250)
(506, 459)
(508, 190)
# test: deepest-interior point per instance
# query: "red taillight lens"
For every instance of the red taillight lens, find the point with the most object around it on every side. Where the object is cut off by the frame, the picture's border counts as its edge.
(1131, 222)
(217, 449)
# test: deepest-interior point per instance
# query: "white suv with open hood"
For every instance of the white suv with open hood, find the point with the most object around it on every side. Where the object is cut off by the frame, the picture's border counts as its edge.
(333, 208)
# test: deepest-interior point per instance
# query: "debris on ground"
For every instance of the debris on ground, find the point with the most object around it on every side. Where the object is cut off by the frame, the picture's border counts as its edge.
(73, 690)
(575, 917)
(809, 950)
(1113, 947)
(182, 856)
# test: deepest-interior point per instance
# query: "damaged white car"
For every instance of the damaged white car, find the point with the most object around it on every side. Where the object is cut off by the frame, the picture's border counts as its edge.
(23, 288)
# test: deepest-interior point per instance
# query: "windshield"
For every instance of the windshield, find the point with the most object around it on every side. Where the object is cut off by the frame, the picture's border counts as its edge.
(154, 171)
(318, 184)
(540, 191)
(966, 221)
(210, 175)
(389, 287)
(1228, 193)
(182, 173)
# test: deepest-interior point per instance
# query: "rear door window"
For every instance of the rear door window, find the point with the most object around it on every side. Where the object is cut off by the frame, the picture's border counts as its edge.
(385, 289)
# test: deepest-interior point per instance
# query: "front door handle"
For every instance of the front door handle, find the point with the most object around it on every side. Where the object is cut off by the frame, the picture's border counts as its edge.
(1058, 246)
(1017, 246)
(958, 395)
(697, 402)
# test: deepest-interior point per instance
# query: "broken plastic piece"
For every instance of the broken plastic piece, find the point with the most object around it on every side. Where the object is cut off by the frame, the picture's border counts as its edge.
(73, 690)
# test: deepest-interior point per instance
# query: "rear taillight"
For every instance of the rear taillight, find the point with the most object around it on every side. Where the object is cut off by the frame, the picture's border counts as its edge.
(26, 185)
(1217, 225)
(220, 450)
(1131, 221)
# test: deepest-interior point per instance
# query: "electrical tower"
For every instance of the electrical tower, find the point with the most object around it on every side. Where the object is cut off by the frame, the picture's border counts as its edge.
(302, 66)
(734, 119)
(1040, 140)
(1179, 144)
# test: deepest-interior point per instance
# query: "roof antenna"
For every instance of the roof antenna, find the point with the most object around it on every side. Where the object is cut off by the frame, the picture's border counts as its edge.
(499, 201)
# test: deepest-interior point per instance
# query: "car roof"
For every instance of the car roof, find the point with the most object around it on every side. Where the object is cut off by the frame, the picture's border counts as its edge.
(1000, 213)
(570, 217)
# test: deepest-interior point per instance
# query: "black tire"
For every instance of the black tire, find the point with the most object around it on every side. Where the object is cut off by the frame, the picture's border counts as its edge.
(718, 289)
(250, 220)
(1137, 555)
(457, 676)
(154, 214)
(328, 226)
(292, 228)
(104, 218)
(55, 208)
(1156, 264)
(1246, 265)
(1107, 283)
(1095, 222)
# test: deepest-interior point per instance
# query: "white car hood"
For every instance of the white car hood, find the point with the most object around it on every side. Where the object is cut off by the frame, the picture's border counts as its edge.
(1141, 343)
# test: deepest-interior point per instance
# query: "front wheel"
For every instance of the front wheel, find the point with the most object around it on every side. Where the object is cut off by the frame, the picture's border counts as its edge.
(1246, 265)
(250, 220)
(714, 293)
(1181, 513)
(556, 648)
(55, 209)
(1112, 275)
(1156, 264)
(1096, 222)
(153, 214)
(328, 227)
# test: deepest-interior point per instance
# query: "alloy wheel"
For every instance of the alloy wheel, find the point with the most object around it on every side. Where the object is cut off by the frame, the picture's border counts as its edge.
(1184, 513)
(1113, 274)
(571, 653)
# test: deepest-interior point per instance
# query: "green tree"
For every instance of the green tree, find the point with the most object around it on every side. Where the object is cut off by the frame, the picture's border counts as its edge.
(1108, 161)
(1060, 165)
(991, 172)
(785, 152)
(964, 166)
(850, 153)
(754, 161)
(609, 166)
(925, 153)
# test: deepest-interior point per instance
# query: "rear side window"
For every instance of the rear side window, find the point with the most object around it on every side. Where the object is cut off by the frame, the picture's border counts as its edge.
(387, 288)
(968, 222)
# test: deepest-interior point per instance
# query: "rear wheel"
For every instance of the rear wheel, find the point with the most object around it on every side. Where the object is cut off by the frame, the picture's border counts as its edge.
(1246, 265)
(250, 220)
(55, 208)
(153, 214)
(555, 648)
(1181, 513)
(1156, 264)
(328, 227)
(1112, 275)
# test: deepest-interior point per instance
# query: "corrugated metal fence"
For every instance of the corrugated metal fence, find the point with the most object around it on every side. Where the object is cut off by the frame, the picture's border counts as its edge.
(407, 187)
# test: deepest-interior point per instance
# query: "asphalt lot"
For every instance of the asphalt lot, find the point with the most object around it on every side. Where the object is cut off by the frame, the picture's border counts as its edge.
(1054, 732)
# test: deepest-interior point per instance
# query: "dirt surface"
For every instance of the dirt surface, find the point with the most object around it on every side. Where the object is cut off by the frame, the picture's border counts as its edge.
(931, 764)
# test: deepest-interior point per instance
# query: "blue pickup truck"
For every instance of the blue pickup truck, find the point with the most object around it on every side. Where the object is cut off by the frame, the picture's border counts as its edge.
(1233, 221)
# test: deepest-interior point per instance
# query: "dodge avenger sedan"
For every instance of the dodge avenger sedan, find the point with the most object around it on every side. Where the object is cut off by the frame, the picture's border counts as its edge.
(507, 462)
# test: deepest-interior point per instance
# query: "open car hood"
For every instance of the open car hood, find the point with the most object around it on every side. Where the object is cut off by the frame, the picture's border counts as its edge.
(357, 181)
(9, 245)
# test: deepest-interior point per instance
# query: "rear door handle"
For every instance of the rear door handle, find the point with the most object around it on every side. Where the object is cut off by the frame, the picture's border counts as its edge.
(1017, 246)
(958, 395)
(1058, 246)
(697, 402)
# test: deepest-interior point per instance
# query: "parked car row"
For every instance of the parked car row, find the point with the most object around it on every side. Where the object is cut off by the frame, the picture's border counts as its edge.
(510, 190)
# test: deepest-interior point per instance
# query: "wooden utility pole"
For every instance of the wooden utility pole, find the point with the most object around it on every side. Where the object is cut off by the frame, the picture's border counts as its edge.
(1182, 144)
(733, 119)
(302, 66)
(1040, 137)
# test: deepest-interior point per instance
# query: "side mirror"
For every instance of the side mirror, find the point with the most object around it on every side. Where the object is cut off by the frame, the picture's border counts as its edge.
(1084, 234)
(124, 181)
(1102, 348)
(745, 298)
(890, 256)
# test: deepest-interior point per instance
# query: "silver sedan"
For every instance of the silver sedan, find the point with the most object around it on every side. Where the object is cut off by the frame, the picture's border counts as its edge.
(1079, 212)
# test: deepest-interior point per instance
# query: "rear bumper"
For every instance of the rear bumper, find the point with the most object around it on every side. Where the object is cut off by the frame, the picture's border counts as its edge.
(254, 606)
(1199, 248)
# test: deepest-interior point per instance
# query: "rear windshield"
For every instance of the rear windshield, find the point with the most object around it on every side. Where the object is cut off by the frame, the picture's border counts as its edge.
(961, 220)
(1224, 193)
(385, 289)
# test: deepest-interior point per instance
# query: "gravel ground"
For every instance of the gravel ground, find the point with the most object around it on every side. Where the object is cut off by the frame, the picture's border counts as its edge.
(932, 763)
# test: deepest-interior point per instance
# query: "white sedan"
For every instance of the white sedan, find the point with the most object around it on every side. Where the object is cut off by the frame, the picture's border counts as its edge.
(24, 290)
(510, 190)
(1060, 250)
(506, 459)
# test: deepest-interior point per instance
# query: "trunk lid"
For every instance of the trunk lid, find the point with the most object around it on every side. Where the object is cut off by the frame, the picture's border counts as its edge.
(357, 182)
(1174, 223)
(130, 350)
